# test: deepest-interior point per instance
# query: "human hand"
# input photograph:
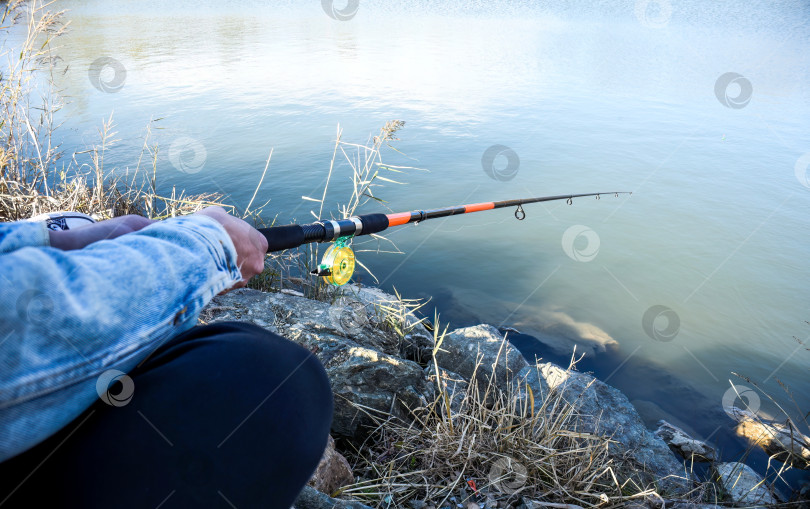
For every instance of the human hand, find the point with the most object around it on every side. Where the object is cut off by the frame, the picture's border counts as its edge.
(108, 229)
(251, 246)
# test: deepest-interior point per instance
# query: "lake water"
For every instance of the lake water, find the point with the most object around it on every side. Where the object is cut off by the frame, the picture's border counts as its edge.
(590, 95)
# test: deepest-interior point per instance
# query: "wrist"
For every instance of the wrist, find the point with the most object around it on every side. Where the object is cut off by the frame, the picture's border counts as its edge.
(63, 240)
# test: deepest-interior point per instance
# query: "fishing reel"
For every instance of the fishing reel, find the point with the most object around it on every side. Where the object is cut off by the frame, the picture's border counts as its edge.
(337, 264)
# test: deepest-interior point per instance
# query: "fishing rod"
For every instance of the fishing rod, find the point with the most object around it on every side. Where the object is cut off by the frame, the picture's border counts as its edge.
(337, 265)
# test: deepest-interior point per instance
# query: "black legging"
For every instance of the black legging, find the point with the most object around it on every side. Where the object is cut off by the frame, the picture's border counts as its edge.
(224, 415)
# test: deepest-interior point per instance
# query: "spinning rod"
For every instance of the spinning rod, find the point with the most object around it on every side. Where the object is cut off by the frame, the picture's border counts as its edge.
(337, 265)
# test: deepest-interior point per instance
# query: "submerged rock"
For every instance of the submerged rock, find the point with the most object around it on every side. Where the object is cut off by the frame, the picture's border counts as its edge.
(783, 441)
(689, 448)
(742, 485)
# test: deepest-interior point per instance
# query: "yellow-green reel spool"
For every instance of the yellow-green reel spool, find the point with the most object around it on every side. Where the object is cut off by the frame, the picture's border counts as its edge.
(339, 260)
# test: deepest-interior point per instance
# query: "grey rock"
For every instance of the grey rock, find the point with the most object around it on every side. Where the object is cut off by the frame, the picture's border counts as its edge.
(310, 498)
(454, 385)
(606, 411)
(293, 316)
(481, 351)
(686, 446)
(365, 380)
(742, 485)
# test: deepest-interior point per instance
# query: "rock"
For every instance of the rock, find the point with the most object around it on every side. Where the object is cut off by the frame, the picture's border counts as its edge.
(606, 411)
(333, 471)
(689, 448)
(742, 485)
(782, 441)
(481, 351)
(452, 383)
(293, 316)
(365, 380)
(310, 498)
(417, 346)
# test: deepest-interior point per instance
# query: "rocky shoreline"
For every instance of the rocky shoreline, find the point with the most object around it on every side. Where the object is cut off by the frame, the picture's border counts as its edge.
(372, 367)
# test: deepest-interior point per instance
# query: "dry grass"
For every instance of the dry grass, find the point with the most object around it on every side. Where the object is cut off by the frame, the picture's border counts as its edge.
(368, 173)
(35, 175)
(480, 445)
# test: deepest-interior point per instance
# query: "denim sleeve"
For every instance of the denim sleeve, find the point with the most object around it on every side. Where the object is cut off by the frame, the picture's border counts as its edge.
(66, 317)
(21, 234)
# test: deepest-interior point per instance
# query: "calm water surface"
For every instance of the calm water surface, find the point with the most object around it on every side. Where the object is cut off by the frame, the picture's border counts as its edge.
(592, 96)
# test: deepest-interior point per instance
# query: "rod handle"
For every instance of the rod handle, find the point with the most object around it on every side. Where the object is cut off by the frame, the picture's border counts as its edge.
(280, 238)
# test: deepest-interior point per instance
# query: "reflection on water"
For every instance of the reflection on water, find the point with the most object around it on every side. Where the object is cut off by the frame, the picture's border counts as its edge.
(592, 96)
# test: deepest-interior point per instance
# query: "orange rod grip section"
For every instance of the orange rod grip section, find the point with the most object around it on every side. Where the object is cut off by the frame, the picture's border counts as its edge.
(475, 207)
(399, 218)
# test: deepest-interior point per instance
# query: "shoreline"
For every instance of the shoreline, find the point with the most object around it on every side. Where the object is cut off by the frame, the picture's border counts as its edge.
(323, 328)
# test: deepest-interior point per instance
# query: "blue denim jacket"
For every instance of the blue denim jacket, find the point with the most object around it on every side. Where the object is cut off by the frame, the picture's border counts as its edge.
(66, 317)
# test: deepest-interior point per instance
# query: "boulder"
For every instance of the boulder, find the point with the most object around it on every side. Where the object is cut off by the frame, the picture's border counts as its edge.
(366, 381)
(606, 411)
(686, 446)
(783, 441)
(481, 351)
(293, 315)
(333, 471)
(742, 485)
(453, 384)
